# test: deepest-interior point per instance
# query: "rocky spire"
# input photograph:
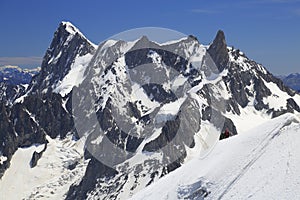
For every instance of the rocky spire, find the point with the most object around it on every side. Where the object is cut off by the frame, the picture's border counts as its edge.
(218, 51)
(67, 44)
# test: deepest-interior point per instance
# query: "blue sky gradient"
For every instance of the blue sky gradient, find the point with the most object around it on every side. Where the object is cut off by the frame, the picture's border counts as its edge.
(268, 31)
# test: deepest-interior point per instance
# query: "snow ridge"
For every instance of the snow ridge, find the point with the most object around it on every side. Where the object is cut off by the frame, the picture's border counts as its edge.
(242, 158)
(73, 30)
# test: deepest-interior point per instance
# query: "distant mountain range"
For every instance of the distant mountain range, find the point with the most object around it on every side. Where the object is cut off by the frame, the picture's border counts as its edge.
(292, 80)
(14, 81)
(14, 75)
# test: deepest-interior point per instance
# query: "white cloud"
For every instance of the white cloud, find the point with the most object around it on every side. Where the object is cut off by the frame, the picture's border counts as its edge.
(33, 60)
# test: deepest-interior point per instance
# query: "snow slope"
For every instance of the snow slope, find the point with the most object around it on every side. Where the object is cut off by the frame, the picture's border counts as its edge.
(259, 164)
(51, 178)
(75, 75)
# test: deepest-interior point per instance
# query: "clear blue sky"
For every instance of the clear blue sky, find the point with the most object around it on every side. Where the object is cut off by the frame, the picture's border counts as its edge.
(268, 31)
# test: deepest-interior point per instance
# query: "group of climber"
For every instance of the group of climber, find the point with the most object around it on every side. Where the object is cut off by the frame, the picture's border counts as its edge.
(225, 134)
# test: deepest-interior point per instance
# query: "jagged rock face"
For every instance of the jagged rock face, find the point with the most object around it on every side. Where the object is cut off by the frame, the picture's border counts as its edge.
(17, 129)
(218, 51)
(117, 104)
(40, 112)
(178, 130)
(291, 107)
(68, 44)
(95, 170)
(50, 114)
(247, 82)
(9, 93)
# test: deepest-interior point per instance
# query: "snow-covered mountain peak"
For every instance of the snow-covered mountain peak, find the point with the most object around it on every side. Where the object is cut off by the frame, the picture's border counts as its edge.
(73, 30)
(69, 51)
(148, 108)
(70, 27)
